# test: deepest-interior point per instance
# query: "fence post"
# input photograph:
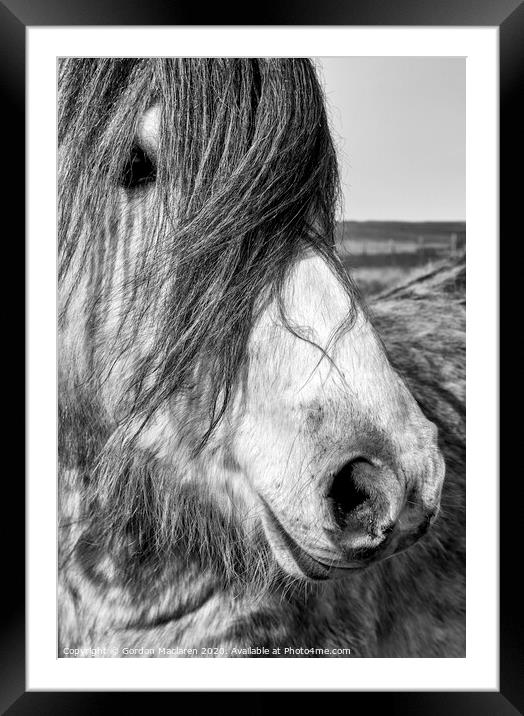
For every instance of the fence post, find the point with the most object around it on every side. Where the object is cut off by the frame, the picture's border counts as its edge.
(453, 245)
(420, 246)
(391, 246)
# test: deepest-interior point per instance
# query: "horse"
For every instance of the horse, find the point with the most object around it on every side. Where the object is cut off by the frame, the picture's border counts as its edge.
(247, 466)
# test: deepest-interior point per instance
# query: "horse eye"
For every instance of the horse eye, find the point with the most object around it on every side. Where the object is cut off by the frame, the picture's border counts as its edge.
(138, 170)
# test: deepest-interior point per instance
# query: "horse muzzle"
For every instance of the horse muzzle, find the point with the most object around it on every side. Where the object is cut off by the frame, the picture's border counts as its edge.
(379, 511)
(372, 513)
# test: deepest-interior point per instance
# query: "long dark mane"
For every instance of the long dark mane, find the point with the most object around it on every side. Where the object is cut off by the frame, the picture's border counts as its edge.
(245, 181)
(245, 148)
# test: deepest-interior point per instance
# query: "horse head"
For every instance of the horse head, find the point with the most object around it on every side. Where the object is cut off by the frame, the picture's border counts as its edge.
(204, 305)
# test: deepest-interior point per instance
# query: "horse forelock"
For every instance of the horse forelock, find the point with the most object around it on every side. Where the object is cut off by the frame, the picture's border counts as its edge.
(246, 182)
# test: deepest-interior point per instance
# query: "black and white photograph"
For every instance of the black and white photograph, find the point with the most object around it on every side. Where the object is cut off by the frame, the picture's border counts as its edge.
(261, 357)
(263, 259)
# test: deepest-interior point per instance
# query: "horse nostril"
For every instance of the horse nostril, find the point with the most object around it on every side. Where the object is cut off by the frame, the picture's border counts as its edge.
(346, 493)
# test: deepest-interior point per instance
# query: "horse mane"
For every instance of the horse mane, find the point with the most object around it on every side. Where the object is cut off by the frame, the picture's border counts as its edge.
(245, 148)
(246, 182)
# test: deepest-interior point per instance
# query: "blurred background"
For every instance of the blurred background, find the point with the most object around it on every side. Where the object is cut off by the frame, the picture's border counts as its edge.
(399, 124)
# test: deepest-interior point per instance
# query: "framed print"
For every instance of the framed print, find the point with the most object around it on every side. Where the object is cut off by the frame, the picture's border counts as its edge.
(260, 355)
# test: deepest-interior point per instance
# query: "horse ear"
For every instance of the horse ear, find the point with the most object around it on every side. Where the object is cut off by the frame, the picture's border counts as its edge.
(148, 133)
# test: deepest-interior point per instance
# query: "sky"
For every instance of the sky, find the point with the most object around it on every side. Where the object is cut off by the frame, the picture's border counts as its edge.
(399, 124)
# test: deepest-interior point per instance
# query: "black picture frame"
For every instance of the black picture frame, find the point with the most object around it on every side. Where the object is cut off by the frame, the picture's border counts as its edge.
(508, 15)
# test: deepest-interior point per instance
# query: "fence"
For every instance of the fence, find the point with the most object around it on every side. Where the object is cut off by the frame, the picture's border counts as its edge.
(415, 251)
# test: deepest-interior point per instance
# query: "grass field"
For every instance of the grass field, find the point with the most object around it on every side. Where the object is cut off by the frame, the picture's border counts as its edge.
(380, 255)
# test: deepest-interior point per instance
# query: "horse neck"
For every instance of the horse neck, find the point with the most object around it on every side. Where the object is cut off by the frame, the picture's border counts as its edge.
(112, 588)
(184, 601)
